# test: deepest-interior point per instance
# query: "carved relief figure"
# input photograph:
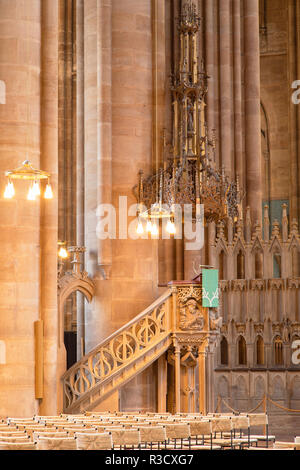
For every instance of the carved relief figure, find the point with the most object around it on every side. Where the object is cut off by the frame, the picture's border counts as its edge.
(190, 316)
(214, 319)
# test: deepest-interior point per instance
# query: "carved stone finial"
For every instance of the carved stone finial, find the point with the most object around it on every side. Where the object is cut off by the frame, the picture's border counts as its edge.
(257, 230)
(248, 224)
(285, 223)
(76, 262)
(220, 230)
(294, 227)
(275, 229)
(239, 229)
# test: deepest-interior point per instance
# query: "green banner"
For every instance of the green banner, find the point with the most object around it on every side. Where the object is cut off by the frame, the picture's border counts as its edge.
(210, 288)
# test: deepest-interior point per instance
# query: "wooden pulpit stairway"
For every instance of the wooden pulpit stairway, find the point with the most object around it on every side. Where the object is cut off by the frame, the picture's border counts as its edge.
(177, 329)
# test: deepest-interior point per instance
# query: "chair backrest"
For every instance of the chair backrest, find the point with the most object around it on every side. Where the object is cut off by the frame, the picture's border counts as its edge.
(177, 431)
(23, 438)
(72, 431)
(12, 434)
(258, 419)
(94, 441)
(56, 443)
(126, 437)
(153, 434)
(38, 434)
(18, 446)
(200, 428)
(240, 422)
(221, 424)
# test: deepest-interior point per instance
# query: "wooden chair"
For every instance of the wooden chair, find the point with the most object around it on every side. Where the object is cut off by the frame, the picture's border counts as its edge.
(18, 446)
(73, 431)
(125, 438)
(153, 436)
(20, 439)
(201, 429)
(177, 432)
(261, 419)
(56, 443)
(93, 441)
(38, 434)
(12, 434)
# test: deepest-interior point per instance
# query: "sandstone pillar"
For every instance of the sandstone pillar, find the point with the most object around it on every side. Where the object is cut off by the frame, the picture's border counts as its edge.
(252, 108)
(226, 124)
(53, 357)
(118, 103)
(28, 130)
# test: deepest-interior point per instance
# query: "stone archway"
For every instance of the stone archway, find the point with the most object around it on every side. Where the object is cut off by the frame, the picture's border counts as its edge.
(71, 282)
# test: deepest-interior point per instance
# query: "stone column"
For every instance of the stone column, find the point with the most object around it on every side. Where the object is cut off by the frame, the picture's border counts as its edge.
(252, 108)
(20, 67)
(80, 239)
(118, 100)
(161, 384)
(237, 88)
(53, 356)
(28, 130)
(177, 379)
(226, 109)
(202, 380)
(97, 147)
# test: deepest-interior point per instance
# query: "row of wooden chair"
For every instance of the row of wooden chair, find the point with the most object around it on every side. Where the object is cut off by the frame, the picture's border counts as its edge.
(134, 430)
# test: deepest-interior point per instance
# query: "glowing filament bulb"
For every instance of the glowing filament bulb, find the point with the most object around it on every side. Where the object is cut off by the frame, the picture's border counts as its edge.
(63, 253)
(9, 190)
(140, 228)
(154, 230)
(149, 226)
(48, 192)
(36, 189)
(171, 229)
(31, 194)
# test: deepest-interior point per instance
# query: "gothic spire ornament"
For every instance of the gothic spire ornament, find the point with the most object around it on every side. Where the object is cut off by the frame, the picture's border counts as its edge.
(189, 174)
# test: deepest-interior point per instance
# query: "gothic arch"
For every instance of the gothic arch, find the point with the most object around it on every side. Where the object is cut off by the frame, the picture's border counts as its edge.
(278, 388)
(259, 350)
(241, 387)
(242, 351)
(259, 387)
(295, 388)
(223, 387)
(70, 283)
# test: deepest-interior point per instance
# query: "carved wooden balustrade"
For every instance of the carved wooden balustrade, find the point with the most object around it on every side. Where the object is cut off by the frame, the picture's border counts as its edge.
(178, 323)
(119, 358)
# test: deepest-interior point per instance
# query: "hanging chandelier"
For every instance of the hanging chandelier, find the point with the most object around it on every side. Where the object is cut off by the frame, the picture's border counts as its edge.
(31, 174)
(188, 174)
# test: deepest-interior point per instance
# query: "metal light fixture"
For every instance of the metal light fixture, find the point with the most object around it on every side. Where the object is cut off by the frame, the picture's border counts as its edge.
(188, 174)
(62, 251)
(35, 176)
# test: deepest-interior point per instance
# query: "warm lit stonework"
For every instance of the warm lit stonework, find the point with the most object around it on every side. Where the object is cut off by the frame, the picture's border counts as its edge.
(109, 106)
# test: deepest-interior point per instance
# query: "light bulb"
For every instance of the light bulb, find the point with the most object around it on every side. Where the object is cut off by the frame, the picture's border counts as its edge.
(171, 229)
(31, 194)
(48, 192)
(154, 230)
(149, 226)
(140, 228)
(36, 189)
(63, 253)
(9, 190)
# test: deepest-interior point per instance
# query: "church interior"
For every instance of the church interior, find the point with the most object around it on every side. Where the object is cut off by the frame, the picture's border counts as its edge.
(149, 224)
